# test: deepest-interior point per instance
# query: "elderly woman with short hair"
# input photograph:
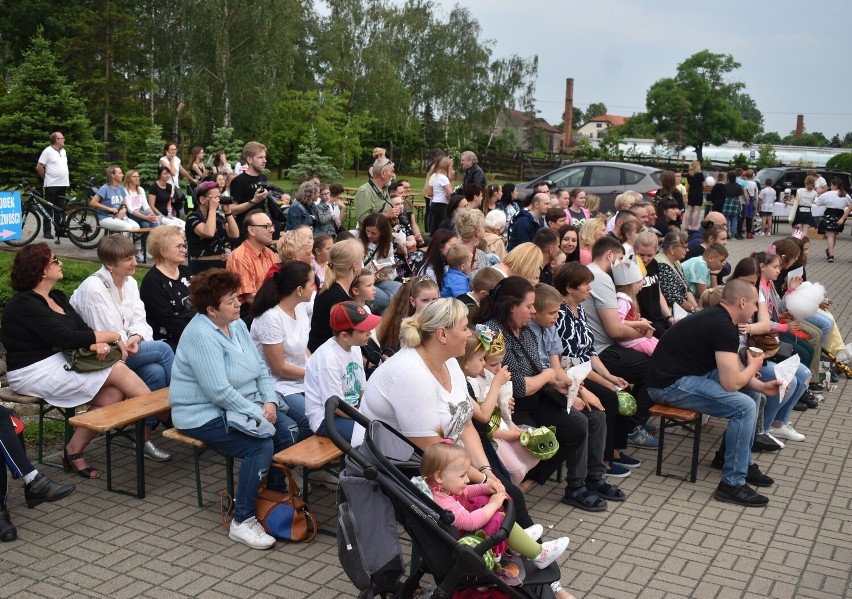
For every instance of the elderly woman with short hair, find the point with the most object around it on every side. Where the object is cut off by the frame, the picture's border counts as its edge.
(218, 369)
(165, 288)
(109, 300)
(301, 211)
(470, 227)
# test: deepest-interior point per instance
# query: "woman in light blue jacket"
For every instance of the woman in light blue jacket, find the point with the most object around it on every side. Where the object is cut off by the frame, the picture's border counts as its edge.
(217, 369)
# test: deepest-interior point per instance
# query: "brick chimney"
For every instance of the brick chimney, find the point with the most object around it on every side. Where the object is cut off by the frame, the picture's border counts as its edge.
(568, 119)
(800, 126)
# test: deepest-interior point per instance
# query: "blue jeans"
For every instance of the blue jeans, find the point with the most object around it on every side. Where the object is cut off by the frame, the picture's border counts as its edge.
(824, 324)
(385, 290)
(706, 394)
(778, 409)
(300, 426)
(153, 364)
(732, 225)
(344, 426)
(256, 455)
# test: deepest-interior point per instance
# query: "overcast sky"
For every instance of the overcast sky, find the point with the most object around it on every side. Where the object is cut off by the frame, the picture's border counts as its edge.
(616, 49)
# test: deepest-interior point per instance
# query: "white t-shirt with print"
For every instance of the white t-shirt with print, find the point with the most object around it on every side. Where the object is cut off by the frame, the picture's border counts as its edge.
(332, 371)
(275, 326)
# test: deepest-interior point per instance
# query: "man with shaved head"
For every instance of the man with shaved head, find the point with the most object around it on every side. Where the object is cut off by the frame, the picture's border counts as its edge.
(696, 367)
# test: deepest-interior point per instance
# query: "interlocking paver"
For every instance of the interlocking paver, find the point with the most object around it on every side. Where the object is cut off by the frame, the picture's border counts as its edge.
(669, 539)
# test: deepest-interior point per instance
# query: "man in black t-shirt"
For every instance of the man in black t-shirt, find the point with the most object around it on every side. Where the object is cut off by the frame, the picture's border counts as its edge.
(696, 366)
(244, 190)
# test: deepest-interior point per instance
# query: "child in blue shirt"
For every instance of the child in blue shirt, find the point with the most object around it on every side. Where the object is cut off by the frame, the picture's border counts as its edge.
(456, 281)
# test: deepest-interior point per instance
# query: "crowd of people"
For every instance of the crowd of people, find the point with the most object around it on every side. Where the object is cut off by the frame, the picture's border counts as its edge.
(540, 310)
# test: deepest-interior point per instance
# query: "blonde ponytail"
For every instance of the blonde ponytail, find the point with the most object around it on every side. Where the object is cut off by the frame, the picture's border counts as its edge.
(341, 258)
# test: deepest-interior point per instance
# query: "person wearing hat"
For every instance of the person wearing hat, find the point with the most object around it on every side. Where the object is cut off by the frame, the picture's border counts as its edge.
(336, 368)
(629, 281)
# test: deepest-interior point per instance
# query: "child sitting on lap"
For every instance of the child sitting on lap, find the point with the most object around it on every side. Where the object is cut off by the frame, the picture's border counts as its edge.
(444, 467)
(456, 281)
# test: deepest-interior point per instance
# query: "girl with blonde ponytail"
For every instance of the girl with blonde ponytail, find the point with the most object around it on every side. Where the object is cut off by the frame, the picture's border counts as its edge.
(344, 264)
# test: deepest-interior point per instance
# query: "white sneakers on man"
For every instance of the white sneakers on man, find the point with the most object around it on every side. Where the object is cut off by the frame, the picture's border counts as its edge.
(250, 532)
(786, 431)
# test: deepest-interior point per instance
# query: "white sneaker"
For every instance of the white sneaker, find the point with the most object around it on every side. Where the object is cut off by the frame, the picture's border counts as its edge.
(550, 551)
(775, 439)
(786, 431)
(250, 532)
(535, 531)
(139, 256)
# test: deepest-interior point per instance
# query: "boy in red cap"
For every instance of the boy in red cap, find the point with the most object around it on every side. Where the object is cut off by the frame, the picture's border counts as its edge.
(337, 368)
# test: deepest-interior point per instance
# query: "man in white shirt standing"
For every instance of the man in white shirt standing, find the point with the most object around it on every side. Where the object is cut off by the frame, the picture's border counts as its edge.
(53, 168)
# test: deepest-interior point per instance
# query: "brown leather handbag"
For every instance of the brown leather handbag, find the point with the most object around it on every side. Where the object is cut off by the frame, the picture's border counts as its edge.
(768, 342)
(284, 515)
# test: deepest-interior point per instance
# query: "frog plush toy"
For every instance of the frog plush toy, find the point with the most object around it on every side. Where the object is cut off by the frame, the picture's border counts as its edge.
(541, 441)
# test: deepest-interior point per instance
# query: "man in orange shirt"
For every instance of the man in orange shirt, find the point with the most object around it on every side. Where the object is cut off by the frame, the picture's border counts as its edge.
(253, 258)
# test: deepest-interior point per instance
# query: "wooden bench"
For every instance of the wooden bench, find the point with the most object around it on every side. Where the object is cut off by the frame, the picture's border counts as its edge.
(313, 454)
(113, 419)
(44, 413)
(688, 420)
(198, 448)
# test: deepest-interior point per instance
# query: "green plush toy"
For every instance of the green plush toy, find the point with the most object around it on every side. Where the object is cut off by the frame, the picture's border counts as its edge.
(473, 540)
(626, 403)
(541, 442)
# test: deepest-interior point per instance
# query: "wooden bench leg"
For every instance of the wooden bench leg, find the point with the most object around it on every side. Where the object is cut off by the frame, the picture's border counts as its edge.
(196, 462)
(662, 438)
(696, 448)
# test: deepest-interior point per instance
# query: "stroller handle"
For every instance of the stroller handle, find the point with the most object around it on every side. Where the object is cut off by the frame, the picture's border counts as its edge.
(332, 404)
(501, 535)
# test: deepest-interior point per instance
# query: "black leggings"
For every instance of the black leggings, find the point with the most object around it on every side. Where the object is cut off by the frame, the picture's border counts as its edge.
(436, 216)
(617, 426)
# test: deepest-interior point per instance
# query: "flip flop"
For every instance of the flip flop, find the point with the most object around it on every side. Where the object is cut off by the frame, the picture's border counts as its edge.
(584, 499)
(604, 490)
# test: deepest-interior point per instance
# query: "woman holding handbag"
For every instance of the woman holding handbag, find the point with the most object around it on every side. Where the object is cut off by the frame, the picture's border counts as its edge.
(37, 320)
(109, 300)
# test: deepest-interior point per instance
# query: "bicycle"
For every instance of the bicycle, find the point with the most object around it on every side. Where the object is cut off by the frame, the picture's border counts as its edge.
(79, 222)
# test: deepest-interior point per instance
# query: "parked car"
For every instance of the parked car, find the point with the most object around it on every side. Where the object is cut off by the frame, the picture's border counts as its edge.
(793, 177)
(604, 179)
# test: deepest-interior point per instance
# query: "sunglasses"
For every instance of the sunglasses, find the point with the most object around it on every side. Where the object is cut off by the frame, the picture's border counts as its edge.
(54, 260)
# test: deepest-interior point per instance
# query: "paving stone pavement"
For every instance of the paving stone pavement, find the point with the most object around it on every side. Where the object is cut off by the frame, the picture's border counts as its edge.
(669, 539)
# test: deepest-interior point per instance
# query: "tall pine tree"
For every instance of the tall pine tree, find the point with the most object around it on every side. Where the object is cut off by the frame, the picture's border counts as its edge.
(38, 102)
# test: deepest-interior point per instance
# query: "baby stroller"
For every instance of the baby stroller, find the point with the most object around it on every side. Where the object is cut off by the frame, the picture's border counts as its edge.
(376, 493)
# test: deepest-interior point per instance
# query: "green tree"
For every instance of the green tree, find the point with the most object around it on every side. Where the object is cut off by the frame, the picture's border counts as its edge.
(38, 101)
(814, 140)
(842, 162)
(149, 159)
(609, 146)
(595, 109)
(223, 140)
(637, 126)
(699, 105)
(311, 163)
(835, 142)
(770, 137)
(766, 156)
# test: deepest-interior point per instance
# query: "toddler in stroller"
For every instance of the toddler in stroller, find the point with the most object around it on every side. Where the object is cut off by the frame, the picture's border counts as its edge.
(444, 467)
(376, 493)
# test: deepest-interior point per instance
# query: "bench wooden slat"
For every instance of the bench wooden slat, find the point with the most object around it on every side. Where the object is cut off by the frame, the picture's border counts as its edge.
(174, 434)
(674, 413)
(124, 412)
(312, 453)
(6, 394)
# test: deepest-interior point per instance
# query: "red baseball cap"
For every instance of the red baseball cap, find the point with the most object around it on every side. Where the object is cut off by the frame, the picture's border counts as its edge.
(346, 316)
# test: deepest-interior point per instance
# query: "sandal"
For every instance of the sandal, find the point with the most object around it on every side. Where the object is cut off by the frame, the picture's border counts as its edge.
(604, 490)
(584, 499)
(68, 465)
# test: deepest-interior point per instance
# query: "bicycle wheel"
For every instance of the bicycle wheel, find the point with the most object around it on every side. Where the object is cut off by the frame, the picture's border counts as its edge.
(30, 228)
(82, 227)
